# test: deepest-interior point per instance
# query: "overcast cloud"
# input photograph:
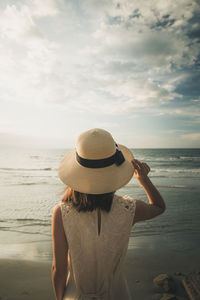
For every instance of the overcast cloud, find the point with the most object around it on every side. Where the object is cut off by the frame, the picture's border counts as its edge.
(119, 65)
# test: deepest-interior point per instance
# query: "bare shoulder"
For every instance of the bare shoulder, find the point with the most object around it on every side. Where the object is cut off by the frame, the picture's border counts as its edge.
(59, 240)
(57, 222)
(56, 213)
(57, 208)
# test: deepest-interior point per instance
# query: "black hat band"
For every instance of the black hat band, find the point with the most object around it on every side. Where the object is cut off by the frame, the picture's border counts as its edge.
(117, 158)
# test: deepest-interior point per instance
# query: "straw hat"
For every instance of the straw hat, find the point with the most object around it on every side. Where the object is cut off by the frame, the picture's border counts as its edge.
(97, 165)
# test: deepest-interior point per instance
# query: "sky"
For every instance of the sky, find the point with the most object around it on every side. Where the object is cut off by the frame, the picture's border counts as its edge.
(129, 67)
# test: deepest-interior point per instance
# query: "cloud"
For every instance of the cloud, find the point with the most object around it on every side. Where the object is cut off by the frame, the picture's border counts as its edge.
(25, 140)
(8, 126)
(106, 125)
(28, 60)
(44, 8)
(152, 50)
(191, 136)
(114, 57)
(150, 38)
(136, 93)
(146, 52)
(17, 24)
(192, 111)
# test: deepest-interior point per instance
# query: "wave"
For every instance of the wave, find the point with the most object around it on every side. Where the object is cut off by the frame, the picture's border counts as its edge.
(168, 186)
(171, 158)
(26, 169)
(176, 170)
(148, 232)
(195, 158)
(189, 158)
(30, 183)
(25, 225)
(16, 224)
(25, 232)
(175, 177)
(164, 184)
(24, 219)
(175, 173)
(177, 186)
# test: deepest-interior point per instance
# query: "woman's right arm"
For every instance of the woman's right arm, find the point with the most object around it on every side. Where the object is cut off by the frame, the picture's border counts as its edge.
(156, 205)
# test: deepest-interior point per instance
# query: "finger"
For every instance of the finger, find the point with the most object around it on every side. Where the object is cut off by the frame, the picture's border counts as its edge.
(138, 164)
(136, 168)
(147, 167)
(143, 168)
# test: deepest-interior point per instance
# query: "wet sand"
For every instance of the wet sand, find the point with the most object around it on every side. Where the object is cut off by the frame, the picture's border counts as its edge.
(21, 279)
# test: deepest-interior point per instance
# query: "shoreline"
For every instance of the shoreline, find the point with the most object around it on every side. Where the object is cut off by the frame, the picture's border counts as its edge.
(32, 280)
(38, 247)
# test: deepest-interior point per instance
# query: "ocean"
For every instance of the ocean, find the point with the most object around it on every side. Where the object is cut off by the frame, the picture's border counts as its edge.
(30, 188)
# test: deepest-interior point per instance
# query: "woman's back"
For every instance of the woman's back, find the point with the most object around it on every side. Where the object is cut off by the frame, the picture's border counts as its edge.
(96, 259)
(88, 257)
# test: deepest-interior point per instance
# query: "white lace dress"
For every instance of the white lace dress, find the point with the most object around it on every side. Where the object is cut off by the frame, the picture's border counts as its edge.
(96, 260)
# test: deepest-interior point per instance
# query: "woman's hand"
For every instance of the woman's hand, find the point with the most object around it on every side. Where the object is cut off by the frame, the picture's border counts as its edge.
(141, 171)
(156, 205)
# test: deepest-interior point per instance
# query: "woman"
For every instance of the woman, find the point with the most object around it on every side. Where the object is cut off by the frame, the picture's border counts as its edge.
(91, 226)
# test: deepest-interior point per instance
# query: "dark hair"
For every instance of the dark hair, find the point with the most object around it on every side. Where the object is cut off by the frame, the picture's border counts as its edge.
(88, 202)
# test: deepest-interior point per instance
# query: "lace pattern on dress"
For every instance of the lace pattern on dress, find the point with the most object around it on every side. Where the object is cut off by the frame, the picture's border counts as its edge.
(128, 203)
(65, 207)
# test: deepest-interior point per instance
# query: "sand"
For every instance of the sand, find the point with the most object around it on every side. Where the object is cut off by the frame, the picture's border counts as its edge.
(142, 268)
(21, 280)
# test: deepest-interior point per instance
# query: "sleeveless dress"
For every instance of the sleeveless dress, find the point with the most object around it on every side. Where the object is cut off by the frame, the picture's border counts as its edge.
(95, 260)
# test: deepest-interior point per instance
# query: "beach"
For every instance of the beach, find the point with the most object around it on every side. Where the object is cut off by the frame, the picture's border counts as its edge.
(21, 279)
(30, 189)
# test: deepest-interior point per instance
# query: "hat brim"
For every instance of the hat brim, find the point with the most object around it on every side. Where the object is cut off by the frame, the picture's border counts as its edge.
(95, 181)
